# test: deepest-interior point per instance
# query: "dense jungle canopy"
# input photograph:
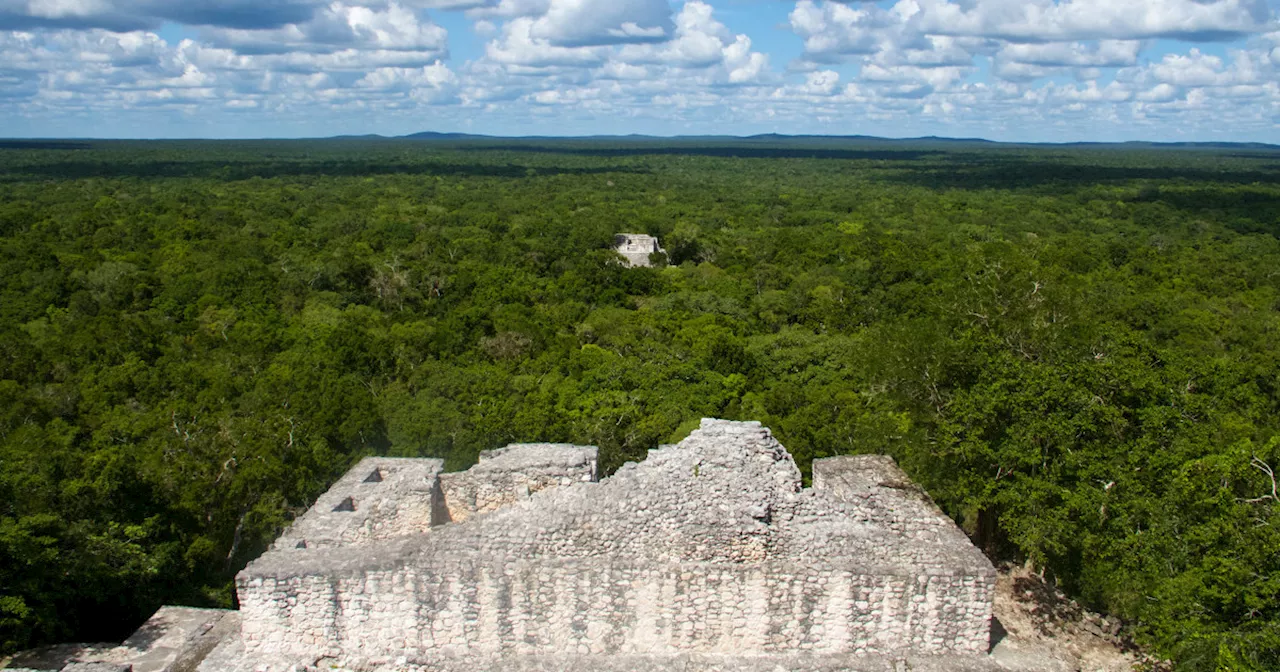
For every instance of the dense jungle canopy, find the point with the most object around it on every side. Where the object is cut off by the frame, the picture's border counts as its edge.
(1075, 350)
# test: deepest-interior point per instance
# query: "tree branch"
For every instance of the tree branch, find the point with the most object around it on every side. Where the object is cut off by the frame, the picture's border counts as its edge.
(1265, 468)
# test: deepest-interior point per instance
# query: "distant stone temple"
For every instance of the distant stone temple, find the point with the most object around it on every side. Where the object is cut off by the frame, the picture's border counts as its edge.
(708, 555)
(636, 247)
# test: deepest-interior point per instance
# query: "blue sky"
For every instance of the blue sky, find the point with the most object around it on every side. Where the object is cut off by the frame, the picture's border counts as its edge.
(1017, 70)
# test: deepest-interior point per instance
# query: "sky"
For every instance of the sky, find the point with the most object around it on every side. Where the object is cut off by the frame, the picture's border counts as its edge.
(1011, 70)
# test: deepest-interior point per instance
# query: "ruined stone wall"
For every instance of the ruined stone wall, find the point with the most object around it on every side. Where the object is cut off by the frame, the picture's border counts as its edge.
(707, 556)
(710, 546)
(636, 248)
(509, 606)
(379, 498)
(508, 475)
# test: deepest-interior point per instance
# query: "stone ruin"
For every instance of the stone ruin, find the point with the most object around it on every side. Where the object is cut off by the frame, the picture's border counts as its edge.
(709, 555)
(636, 248)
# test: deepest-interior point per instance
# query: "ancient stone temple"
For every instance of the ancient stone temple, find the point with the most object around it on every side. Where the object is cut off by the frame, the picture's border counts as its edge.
(636, 247)
(708, 555)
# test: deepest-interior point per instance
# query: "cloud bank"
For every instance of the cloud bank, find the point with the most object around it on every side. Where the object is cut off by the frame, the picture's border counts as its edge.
(1009, 69)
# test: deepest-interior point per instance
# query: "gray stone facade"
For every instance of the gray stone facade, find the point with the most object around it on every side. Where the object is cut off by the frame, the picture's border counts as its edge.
(636, 248)
(708, 555)
(710, 547)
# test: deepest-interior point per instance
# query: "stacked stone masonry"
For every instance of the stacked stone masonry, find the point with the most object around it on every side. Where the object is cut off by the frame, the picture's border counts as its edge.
(380, 498)
(508, 475)
(707, 548)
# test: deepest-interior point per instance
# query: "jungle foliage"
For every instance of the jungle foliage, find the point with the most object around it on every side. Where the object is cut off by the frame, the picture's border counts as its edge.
(1076, 351)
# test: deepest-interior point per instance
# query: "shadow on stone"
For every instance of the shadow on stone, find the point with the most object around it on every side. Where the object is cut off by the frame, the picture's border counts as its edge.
(144, 637)
(998, 633)
(347, 505)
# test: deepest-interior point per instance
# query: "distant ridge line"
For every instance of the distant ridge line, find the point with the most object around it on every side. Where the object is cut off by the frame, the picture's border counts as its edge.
(807, 141)
(778, 137)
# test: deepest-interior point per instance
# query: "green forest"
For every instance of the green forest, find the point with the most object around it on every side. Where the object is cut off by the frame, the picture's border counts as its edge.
(1075, 350)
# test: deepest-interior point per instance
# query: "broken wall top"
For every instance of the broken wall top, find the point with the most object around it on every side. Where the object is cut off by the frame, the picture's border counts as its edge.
(365, 502)
(730, 493)
(636, 242)
(508, 475)
(374, 515)
(521, 457)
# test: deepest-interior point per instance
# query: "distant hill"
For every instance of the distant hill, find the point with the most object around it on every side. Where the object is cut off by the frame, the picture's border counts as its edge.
(1177, 145)
(777, 138)
(432, 135)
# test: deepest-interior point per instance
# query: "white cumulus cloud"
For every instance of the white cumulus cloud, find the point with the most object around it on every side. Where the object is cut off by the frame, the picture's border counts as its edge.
(597, 22)
(340, 26)
(1161, 69)
(1064, 20)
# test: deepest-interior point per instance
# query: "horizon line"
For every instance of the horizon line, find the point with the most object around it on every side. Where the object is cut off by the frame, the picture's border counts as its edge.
(459, 135)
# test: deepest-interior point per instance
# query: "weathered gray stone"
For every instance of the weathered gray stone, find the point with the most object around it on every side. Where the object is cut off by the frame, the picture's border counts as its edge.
(508, 475)
(174, 639)
(56, 657)
(636, 248)
(707, 557)
(380, 498)
(708, 548)
(684, 662)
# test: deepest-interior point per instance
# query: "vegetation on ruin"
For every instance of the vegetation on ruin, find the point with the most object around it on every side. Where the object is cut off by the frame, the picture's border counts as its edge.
(1075, 350)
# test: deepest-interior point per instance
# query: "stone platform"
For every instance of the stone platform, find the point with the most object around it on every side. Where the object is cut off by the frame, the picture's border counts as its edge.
(710, 547)
(174, 639)
(707, 556)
